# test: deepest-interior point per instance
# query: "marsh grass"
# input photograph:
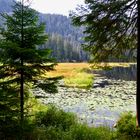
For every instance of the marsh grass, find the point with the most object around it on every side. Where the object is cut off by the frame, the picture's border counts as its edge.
(80, 80)
(77, 74)
(110, 65)
(74, 74)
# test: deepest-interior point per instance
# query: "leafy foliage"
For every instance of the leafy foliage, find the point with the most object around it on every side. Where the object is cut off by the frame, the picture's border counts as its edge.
(53, 123)
(126, 127)
(110, 27)
(56, 118)
(57, 124)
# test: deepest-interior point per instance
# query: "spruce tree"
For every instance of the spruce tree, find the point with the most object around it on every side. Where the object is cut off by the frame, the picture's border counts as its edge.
(22, 62)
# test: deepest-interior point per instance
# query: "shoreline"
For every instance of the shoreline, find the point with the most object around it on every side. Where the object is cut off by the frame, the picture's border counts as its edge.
(98, 105)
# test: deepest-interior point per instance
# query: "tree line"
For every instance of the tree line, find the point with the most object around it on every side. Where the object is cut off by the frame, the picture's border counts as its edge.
(65, 49)
(66, 45)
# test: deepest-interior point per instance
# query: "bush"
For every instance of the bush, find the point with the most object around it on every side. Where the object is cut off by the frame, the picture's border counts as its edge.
(13, 130)
(55, 124)
(59, 125)
(126, 127)
(56, 118)
(54, 133)
(84, 132)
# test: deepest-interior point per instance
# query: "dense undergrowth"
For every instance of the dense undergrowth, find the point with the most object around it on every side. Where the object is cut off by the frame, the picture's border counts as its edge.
(55, 124)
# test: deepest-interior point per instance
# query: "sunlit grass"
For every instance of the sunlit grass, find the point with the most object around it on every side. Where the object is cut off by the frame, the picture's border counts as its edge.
(109, 65)
(74, 74)
(81, 80)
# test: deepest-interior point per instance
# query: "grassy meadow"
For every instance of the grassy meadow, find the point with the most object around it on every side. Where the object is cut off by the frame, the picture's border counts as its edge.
(76, 75)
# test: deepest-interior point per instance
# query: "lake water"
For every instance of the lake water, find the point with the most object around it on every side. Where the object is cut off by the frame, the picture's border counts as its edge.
(113, 92)
(107, 115)
(120, 73)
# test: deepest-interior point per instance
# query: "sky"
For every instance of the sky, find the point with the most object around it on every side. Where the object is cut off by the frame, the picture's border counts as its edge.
(55, 6)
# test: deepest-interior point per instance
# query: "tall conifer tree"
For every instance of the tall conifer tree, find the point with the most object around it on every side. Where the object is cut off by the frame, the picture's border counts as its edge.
(21, 60)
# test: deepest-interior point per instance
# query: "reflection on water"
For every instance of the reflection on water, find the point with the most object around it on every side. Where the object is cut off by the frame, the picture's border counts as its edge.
(122, 73)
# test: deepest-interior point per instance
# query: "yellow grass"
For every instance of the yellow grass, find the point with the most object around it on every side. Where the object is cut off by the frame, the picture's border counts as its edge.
(68, 69)
(109, 65)
(75, 75)
(116, 64)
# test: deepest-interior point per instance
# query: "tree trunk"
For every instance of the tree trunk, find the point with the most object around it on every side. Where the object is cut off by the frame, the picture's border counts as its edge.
(21, 95)
(138, 92)
(21, 78)
(138, 75)
(138, 106)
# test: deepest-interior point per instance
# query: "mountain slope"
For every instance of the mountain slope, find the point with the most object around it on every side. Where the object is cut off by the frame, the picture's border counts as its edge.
(5, 5)
(64, 39)
(62, 25)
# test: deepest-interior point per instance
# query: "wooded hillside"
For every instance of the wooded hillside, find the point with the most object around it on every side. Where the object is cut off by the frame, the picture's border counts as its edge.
(63, 38)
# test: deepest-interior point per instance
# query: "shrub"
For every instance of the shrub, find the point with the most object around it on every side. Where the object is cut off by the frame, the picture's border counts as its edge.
(13, 130)
(84, 132)
(59, 125)
(56, 118)
(126, 127)
(54, 133)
